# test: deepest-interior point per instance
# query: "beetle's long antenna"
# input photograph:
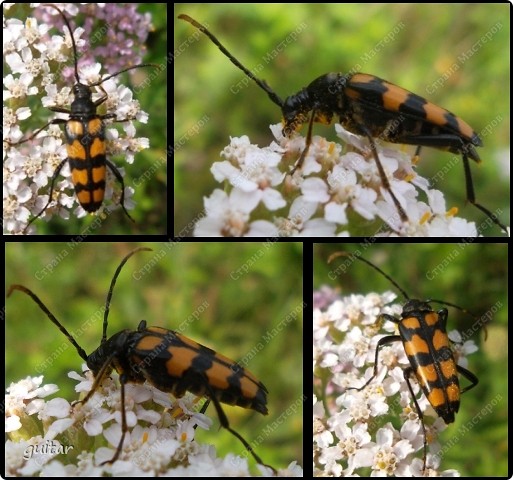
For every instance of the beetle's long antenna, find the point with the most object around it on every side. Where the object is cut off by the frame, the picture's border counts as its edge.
(111, 289)
(50, 315)
(431, 300)
(77, 78)
(261, 83)
(76, 55)
(351, 255)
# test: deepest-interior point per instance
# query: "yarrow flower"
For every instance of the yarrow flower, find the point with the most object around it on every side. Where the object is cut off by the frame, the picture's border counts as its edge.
(332, 194)
(54, 437)
(38, 75)
(355, 431)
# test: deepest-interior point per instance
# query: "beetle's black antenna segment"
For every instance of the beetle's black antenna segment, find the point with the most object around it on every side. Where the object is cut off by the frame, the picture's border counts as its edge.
(261, 83)
(75, 54)
(351, 255)
(111, 289)
(76, 57)
(50, 315)
(77, 78)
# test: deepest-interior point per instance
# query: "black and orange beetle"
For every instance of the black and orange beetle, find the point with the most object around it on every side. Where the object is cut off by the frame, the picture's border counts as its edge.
(423, 333)
(167, 360)
(86, 136)
(371, 107)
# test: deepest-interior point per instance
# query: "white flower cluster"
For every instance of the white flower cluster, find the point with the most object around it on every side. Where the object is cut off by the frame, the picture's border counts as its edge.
(54, 438)
(332, 194)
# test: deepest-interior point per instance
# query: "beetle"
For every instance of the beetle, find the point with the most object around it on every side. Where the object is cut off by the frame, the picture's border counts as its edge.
(423, 333)
(169, 361)
(85, 136)
(371, 107)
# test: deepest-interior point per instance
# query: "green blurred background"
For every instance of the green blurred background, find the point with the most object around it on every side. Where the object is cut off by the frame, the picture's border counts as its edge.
(241, 313)
(150, 195)
(473, 276)
(425, 42)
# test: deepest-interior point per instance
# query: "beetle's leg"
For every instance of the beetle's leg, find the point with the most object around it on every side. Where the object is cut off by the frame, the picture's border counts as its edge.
(223, 419)
(54, 176)
(382, 341)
